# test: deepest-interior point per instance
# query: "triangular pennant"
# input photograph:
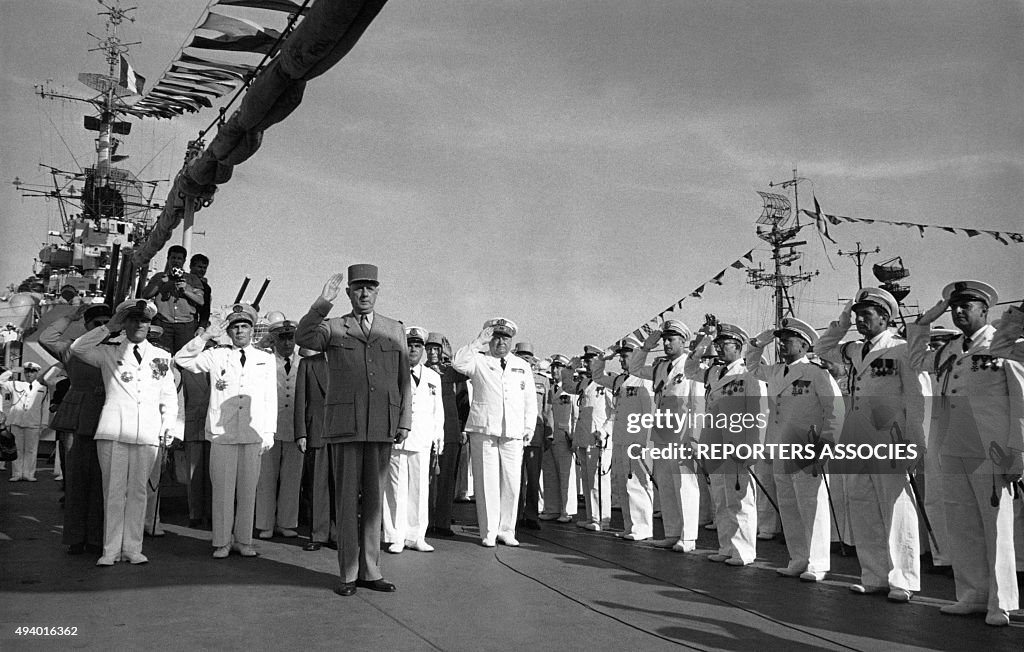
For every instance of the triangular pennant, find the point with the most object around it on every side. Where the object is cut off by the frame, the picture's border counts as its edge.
(998, 236)
(286, 6)
(717, 279)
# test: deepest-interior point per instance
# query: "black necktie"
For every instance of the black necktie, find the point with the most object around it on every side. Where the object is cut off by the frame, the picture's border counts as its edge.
(242, 356)
(966, 344)
(415, 378)
(785, 371)
(503, 364)
(138, 356)
(865, 349)
(287, 366)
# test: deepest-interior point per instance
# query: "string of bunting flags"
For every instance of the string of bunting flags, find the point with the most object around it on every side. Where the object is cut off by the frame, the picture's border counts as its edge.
(822, 220)
(651, 324)
(191, 81)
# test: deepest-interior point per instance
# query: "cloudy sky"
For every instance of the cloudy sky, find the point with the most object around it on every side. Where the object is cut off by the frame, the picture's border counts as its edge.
(575, 166)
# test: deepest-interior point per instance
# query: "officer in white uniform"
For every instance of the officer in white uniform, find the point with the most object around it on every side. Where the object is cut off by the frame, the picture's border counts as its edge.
(733, 393)
(805, 405)
(592, 439)
(141, 407)
(886, 406)
(240, 423)
(27, 406)
(631, 479)
(559, 467)
(407, 491)
(981, 440)
(502, 415)
(673, 394)
(277, 493)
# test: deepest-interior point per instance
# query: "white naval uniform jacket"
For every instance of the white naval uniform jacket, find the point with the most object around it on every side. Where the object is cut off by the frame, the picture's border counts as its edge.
(729, 389)
(633, 399)
(982, 396)
(887, 398)
(503, 402)
(803, 397)
(243, 399)
(596, 410)
(285, 396)
(141, 398)
(427, 413)
(673, 393)
(27, 403)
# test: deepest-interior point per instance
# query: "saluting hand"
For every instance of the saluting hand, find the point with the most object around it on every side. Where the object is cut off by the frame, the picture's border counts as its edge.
(215, 330)
(332, 288)
(934, 312)
(763, 338)
(846, 316)
(651, 340)
(80, 311)
(485, 335)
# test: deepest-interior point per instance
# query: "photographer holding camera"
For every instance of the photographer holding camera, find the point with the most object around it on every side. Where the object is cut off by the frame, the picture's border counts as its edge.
(178, 296)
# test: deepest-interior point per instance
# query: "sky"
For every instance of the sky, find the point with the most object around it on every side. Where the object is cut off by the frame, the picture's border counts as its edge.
(576, 167)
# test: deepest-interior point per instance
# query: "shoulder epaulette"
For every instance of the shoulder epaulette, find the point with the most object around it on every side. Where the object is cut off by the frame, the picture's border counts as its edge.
(819, 364)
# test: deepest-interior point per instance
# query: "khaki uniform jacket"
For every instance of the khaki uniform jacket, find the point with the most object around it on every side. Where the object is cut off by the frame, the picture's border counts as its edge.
(369, 391)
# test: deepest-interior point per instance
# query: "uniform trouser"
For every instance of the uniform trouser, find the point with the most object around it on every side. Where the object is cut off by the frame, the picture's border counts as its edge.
(360, 472)
(406, 496)
(933, 505)
(680, 499)
(27, 442)
(126, 469)
(767, 517)
(560, 479)
(595, 469)
(152, 519)
(533, 458)
(497, 471)
(632, 485)
(277, 494)
(234, 472)
(735, 514)
(803, 501)
(444, 486)
(706, 507)
(321, 495)
(83, 493)
(982, 547)
(839, 485)
(884, 520)
(200, 491)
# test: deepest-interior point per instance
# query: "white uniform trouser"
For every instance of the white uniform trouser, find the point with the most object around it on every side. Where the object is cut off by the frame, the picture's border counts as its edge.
(406, 494)
(735, 514)
(632, 485)
(803, 501)
(933, 505)
(767, 517)
(680, 499)
(277, 493)
(125, 468)
(982, 546)
(884, 520)
(234, 472)
(560, 479)
(597, 483)
(27, 442)
(497, 474)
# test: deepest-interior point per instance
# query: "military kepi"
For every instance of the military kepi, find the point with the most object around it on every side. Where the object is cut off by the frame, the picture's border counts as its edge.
(798, 327)
(878, 298)
(362, 272)
(970, 291)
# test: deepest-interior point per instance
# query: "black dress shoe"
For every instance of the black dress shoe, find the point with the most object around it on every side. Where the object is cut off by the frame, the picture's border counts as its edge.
(76, 548)
(311, 546)
(333, 545)
(381, 585)
(346, 589)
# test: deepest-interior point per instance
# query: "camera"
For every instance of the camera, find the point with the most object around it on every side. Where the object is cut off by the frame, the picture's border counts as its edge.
(177, 274)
